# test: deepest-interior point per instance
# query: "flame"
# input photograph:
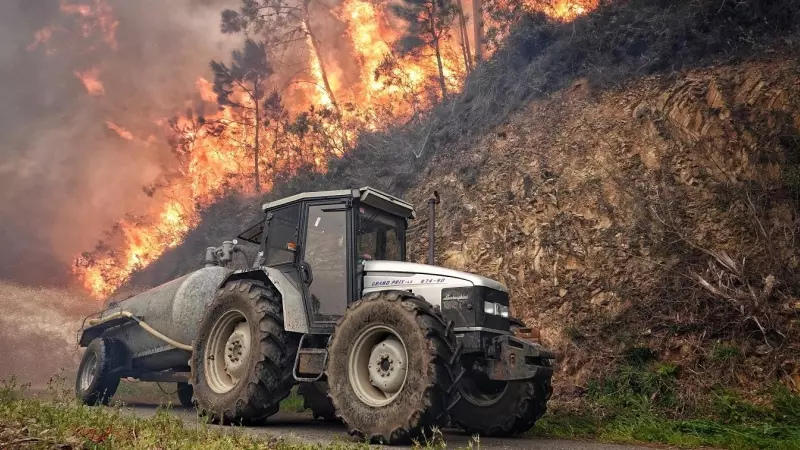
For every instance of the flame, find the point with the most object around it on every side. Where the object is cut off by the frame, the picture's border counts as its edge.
(216, 154)
(122, 132)
(91, 81)
(96, 16)
(568, 10)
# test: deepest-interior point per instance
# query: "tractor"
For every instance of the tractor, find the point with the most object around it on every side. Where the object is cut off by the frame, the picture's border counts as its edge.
(393, 349)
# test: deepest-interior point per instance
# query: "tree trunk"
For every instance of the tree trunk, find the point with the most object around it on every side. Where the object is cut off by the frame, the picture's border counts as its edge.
(462, 22)
(477, 21)
(438, 50)
(256, 147)
(306, 24)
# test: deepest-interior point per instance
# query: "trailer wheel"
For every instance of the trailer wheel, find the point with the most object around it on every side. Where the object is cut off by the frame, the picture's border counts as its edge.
(186, 394)
(243, 358)
(315, 398)
(95, 384)
(389, 368)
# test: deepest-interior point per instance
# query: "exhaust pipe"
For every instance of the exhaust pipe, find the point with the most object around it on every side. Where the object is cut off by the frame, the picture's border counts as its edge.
(432, 202)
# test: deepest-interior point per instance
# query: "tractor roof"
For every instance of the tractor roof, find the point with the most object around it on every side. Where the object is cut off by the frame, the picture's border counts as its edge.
(367, 195)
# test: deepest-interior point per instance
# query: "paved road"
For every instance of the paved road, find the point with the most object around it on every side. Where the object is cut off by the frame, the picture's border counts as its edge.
(301, 427)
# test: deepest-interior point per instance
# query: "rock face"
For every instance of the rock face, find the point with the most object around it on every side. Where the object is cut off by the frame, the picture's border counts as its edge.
(663, 214)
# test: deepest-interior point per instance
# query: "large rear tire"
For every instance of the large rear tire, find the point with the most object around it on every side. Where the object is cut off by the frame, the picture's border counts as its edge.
(95, 384)
(243, 357)
(390, 368)
(315, 398)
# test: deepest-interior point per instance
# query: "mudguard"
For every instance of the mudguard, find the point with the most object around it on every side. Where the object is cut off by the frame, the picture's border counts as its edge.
(294, 312)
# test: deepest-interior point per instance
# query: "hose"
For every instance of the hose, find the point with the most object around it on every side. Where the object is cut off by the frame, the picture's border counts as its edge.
(145, 326)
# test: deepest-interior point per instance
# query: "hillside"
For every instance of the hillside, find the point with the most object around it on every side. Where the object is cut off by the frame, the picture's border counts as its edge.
(633, 176)
(656, 218)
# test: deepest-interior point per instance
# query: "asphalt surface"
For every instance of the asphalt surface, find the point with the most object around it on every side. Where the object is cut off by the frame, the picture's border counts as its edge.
(302, 428)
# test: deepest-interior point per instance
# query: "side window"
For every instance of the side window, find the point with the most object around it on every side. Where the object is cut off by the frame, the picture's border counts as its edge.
(282, 236)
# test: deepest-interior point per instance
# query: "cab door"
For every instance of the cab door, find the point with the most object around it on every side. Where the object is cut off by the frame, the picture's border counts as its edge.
(324, 268)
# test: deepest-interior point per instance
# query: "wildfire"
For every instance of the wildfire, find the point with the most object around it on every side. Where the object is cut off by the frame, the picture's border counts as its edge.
(91, 81)
(88, 20)
(216, 152)
(568, 10)
(121, 132)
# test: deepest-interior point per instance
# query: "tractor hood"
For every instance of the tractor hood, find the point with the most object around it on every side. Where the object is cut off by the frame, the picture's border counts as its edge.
(424, 269)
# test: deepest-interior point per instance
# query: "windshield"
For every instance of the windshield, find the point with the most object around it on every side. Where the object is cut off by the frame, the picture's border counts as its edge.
(381, 236)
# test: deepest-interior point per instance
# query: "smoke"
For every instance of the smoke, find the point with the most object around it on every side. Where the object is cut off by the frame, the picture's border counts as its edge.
(72, 162)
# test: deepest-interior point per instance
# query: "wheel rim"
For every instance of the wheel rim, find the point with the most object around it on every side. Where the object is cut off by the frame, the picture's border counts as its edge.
(87, 374)
(480, 390)
(378, 366)
(227, 352)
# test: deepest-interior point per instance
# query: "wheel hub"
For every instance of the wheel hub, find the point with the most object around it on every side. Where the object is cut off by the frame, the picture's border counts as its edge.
(378, 366)
(227, 351)
(237, 351)
(87, 375)
(480, 390)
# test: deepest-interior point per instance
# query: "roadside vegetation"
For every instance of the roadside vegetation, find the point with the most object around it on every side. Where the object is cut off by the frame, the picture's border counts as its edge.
(636, 404)
(56, 420)
(640, 402)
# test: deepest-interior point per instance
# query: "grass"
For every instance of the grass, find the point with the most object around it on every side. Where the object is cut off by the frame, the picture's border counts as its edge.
(293, 403)
(636, 404)
(56, 420)
(639, 403)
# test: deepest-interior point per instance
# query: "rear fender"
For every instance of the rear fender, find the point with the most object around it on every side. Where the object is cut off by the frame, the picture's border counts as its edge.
(294, 311)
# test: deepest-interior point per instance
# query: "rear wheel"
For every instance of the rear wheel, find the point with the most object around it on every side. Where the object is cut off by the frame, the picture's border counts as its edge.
(389, 368)
(95, 384)
(315, 398)
(242, 359)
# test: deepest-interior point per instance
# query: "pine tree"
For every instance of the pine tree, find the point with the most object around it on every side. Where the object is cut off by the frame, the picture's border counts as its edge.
(242, 86)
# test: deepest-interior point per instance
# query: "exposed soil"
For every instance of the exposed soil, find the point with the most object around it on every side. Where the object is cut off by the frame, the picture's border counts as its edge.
(661, 217)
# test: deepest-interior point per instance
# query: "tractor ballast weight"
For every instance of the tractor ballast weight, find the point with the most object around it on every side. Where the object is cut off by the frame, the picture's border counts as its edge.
(330, 301)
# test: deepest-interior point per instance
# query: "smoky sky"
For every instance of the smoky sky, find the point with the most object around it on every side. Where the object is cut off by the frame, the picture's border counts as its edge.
(65, 177)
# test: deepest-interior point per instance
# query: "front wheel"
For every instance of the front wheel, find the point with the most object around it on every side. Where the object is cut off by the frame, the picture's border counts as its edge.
(389, 368)
(499, 408)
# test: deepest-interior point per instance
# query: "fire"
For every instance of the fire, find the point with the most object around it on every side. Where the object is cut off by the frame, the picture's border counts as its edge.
(121, 132)
(216, 152)
(91, 81)
(568, 10)
(96, 16)
(88, 19)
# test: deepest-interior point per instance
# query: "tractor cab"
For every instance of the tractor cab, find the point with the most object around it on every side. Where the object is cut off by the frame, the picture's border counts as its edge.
(320, 241)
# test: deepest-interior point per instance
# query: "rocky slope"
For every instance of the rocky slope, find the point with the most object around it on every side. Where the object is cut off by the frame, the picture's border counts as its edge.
(661, 217)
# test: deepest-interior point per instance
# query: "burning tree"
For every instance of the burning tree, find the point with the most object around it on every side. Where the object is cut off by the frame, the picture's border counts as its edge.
(281, 24)
(429, 24)
(243, 86)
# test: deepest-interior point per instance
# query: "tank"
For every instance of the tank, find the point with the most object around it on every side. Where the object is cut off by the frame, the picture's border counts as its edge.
(173, 309)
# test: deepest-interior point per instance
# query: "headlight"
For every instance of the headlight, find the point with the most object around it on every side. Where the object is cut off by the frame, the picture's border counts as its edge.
(503, 311)
(495, 309)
